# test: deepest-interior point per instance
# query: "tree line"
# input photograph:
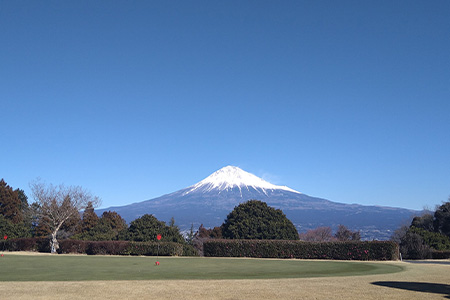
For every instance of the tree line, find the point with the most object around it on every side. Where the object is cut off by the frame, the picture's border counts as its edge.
(61, 212)
(427, 234)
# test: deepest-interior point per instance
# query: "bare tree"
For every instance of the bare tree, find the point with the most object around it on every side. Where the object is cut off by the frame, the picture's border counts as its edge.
(55, 205)
(345, 234)
(320, 234)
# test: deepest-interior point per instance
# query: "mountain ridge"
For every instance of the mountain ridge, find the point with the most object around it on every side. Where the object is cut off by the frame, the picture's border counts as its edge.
(209, 201)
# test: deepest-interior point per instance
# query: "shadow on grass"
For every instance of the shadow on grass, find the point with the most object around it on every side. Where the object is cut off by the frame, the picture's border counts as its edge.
(435, 288)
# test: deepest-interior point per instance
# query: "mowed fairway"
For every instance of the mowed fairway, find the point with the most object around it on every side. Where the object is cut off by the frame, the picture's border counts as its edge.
(205, 278)
(82, 268)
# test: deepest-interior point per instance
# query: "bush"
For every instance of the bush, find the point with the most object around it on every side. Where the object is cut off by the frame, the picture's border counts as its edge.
(440, 254)
(189, 250)
(107, 247)
(72, 246)
(23, 244)
(434, 240)
(26, 244)
(101, 247)
(152, 249)
(301, 250)
(412, 246)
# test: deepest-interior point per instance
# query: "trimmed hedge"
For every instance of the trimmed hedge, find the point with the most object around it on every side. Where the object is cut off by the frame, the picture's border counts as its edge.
(376, 250)
(26, 244)
(121, 248)
(101, 247)
(72, 246)
(440, 254)
(151, 249)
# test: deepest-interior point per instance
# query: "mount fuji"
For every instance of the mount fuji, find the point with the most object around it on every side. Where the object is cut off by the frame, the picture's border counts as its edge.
(209, 201)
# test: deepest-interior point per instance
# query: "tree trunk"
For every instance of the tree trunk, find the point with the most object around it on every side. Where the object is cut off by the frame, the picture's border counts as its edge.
(54, 245)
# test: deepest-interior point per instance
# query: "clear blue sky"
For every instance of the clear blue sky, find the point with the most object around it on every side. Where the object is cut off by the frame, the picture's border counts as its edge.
(343, 100)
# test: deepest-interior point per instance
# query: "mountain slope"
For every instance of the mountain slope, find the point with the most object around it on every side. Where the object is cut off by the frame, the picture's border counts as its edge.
(209, 201)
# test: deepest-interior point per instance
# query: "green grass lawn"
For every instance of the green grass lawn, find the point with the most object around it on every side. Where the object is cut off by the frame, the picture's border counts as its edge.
(83, 268)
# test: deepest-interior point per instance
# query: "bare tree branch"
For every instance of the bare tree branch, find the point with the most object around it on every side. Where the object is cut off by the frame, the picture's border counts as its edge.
(55, 205)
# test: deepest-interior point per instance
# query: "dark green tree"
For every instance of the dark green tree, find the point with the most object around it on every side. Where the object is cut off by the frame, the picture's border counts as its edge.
(108, 228)
(19, 230)
(256, 220)
(147, 227)
(115, 222)
(10, 204)
(442, 219)
(23, 200)
(425, 234)
(435, 240)
(425, 222)
(70, 227)
(90, 218)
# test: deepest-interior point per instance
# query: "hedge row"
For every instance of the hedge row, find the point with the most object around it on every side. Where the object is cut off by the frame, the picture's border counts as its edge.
(26, 244)
(440, 254)
(101, 247)
(375, 250)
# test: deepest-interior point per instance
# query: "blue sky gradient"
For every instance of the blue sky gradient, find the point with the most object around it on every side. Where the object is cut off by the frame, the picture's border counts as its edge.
(343, 100)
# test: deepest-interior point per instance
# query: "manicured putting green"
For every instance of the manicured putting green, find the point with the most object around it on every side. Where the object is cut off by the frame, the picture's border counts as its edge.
(83, 268)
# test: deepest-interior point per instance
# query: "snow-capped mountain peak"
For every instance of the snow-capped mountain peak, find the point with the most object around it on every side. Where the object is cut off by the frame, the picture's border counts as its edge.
(231, 177)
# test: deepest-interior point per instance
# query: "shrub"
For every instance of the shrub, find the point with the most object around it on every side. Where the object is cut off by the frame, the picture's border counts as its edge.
(302, 250)
(23, 244)
(106, 247)
(440, 254)
(152, 249)
(412, 246)
(72, 246)
(189, 250)
(435, 240)
(26, 244)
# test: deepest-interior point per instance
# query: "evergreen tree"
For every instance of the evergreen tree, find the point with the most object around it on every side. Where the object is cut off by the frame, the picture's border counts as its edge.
(435, 240)
(71, 227)
(90, 218)
(114, 221)
(108, 228)
(19, 230)
(255, 220)
(10, 204)
(442, 219)
(425, 234)
(425, 222)
(23, 200)
(147, 227)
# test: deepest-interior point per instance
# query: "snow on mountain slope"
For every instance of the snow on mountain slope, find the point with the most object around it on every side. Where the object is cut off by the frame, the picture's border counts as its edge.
(209, 201)
(231, 177)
